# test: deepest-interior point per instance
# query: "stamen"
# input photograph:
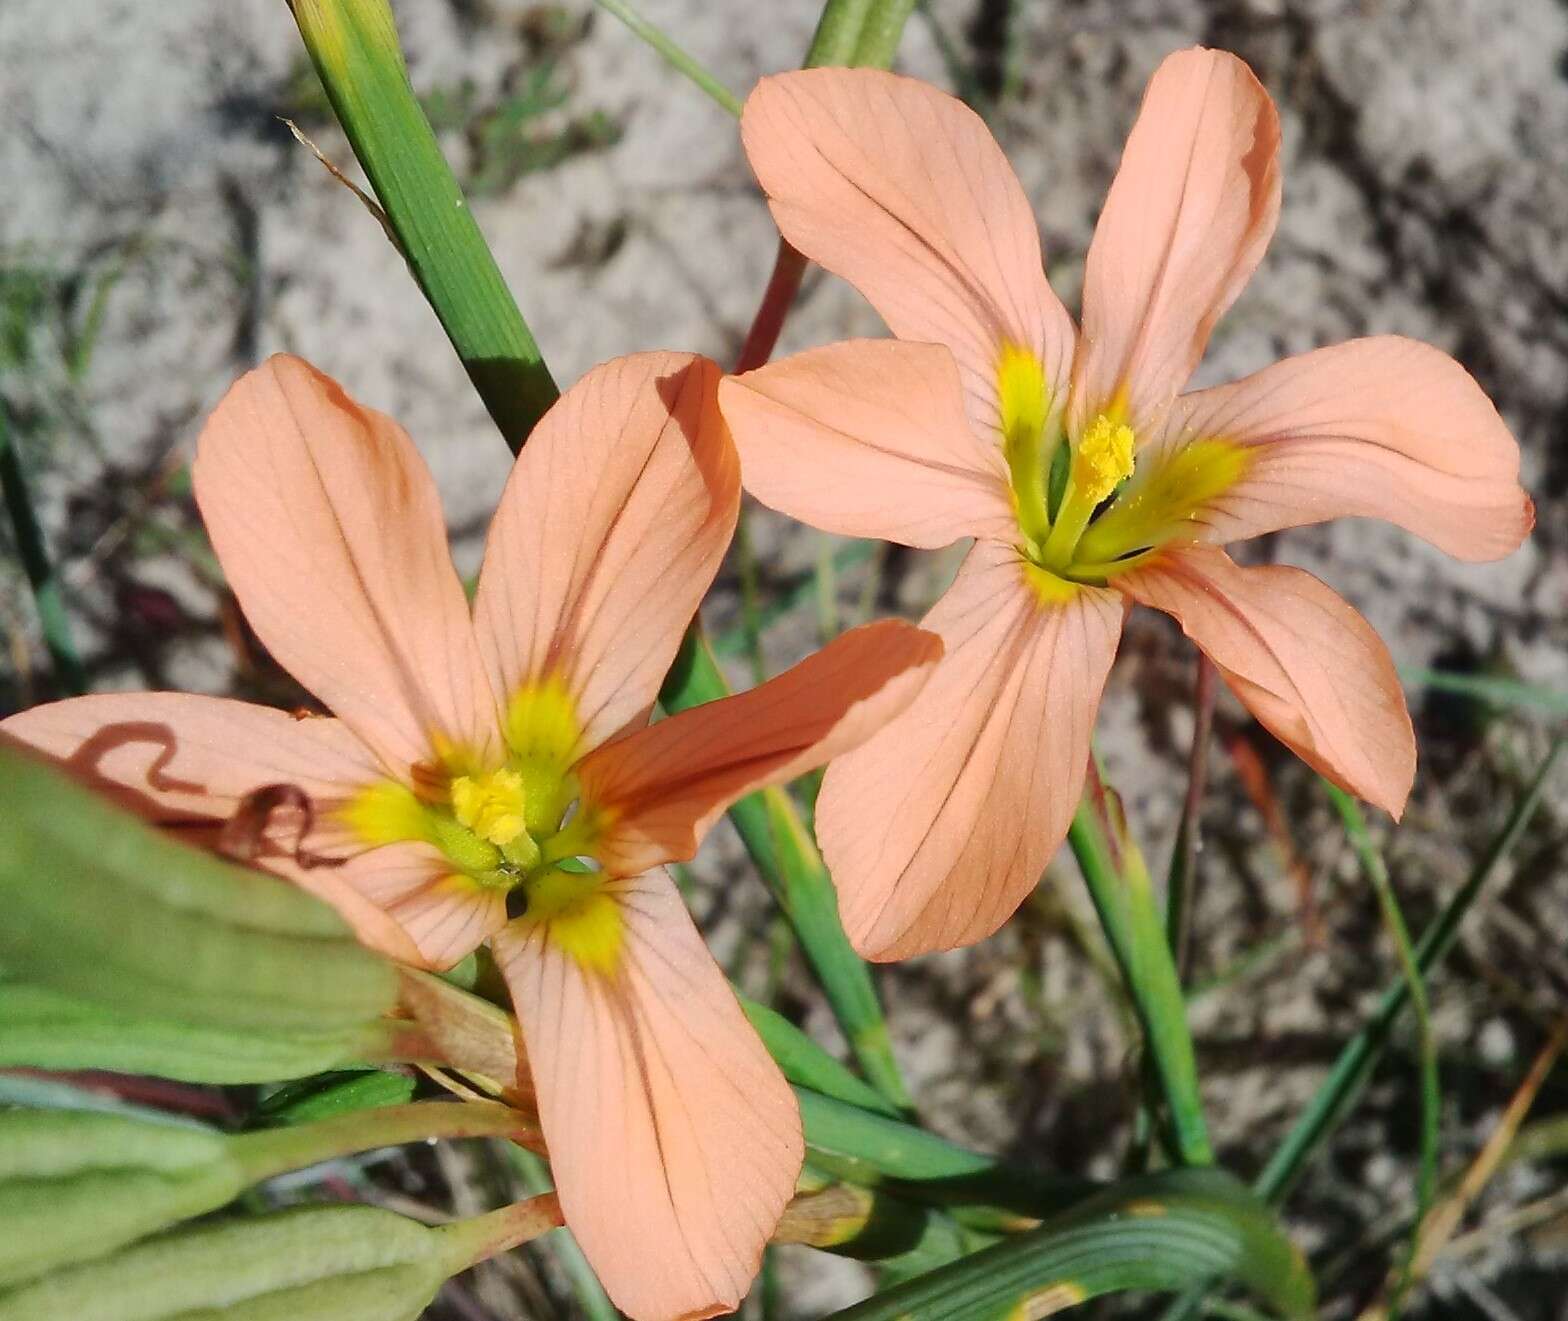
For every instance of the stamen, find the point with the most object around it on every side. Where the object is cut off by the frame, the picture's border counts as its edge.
(492, 806)
(1102, 460)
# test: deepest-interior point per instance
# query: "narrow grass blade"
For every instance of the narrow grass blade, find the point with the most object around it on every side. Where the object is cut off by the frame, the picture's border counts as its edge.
(1376, 871)
(1342, 1088)
(807, 1064)
(41, 577)
(354, 46)
(774, 835)
(1161, 1231)
(677, 57)
(1510, 694)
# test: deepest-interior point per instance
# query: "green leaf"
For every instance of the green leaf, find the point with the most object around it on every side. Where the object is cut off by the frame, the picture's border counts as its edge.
(74, 1185)
(806, 1063)
(44, 1029)
(1162, 1231)
(333, 1094)
(1118, 882)
(871, 1149)
(332, 1262)
(77, 1184)
(106, 909)
(354, 46)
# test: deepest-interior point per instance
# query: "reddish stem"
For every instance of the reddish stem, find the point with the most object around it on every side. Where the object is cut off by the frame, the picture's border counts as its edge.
(788, 269)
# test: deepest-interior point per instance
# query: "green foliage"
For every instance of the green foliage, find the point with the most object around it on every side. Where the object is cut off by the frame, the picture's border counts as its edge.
(344, 1263)
(1163, 1231)
(76, 1185)
(102, 908)
(43, 1029)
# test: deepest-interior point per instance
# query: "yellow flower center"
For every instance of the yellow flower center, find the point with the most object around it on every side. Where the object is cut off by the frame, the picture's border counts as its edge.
(1085, 509)
(492, 805)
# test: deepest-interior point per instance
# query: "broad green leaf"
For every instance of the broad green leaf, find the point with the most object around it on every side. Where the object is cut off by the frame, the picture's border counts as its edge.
(77, 1184)
(337, 1262)
(106, 909)
(1159, 1232)
(44, 1029)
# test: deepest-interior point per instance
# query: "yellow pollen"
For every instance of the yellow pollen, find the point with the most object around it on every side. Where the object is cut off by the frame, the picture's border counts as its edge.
(1104, 458)
(492, 805)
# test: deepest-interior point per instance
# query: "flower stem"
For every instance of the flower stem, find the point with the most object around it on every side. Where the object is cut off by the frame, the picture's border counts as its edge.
(277, 1150)
(1119, 885)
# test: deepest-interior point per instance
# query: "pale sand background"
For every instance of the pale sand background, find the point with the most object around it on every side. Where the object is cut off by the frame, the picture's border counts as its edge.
(142, 167)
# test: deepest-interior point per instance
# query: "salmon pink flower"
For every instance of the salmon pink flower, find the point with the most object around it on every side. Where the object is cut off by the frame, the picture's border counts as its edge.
(1087, 481)
(493, 775)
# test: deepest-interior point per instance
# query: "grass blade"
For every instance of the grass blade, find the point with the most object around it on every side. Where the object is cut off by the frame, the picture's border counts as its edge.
(1161, 1231)
(674, 55)
(354, 46)
(41, 577)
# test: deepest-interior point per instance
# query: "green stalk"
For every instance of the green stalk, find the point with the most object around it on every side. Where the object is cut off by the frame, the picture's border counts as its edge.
(674, 55)
(1394, 920)
(41, 577)
(1118, 883)
(274, 1151)
(354, 46)
(863, 33)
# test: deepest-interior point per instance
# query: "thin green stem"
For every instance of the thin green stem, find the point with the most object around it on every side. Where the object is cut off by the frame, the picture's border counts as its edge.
(274, 1151)
(1394, 920)
(1119, 885)
(1184, 852)
(1340, 1091)
(679, 59)
(41, 577)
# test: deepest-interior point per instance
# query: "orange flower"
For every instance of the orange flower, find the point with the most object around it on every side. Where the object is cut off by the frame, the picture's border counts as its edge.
(494, 775)
(1086, 480)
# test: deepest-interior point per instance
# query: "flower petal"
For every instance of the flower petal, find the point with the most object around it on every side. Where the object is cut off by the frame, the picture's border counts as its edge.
(609, 532)
(330, 531)
(937, 828)
(674, 1140)
(662, 787)
(1186, 221)
(1380, 428)
(192, 763)
(902, 191)
(869, 439)
(359, 888)
(1301, 659)
(178, 759)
